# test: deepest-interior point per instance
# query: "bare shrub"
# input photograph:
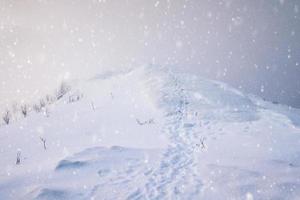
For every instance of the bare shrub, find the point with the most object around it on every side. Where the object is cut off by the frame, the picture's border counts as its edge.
(18, 161)
(202, 144)
(49, 99)
(24, 110)
(42, 103)
(63, 89)
(37, 108)
(75, 97)
(141, 123)
(93, 106)
(6, 117)
(43, 140)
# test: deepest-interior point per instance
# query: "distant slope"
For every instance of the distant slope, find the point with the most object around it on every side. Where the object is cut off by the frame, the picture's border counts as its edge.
(151, 133)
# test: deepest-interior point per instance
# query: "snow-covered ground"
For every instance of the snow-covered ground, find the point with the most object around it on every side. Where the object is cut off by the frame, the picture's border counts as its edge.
(151, 133)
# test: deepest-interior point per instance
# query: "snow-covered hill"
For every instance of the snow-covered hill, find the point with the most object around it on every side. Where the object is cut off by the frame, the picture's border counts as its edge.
(151, 133)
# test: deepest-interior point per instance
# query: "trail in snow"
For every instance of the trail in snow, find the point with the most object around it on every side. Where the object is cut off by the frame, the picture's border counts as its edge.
(176, 176)
(211, 153)
(207, 141)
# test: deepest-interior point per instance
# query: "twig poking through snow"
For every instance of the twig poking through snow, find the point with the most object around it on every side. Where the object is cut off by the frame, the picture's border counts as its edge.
(6, 117)
(24, 110)
(150, 121)
(93, 106)
(201, 144)
(44, 142)
(18, 157)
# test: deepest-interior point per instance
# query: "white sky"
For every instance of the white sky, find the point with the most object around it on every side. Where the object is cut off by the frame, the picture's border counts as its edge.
(253, 45)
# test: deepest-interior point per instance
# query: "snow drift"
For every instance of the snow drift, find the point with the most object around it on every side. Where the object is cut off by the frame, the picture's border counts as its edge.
(151, 133)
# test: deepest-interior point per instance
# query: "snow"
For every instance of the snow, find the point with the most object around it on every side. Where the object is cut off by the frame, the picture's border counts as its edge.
(197, 139)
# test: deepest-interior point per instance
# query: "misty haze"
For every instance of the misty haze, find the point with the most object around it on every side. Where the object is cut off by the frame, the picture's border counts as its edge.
(149, 99)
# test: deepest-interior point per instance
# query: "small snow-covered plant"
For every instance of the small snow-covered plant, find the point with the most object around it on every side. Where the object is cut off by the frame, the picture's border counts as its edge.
(139, 122)
(18, 161)
(63, 89)
(93, 106)
(49, 99)
(44, 142)
(202, 143)
(75, 97)
(37, 108)
(42, 103)
(150, 121)
(6, 117)
(24, 110)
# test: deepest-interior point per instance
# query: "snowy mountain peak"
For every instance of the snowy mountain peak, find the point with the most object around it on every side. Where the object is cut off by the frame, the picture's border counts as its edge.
(151, 133)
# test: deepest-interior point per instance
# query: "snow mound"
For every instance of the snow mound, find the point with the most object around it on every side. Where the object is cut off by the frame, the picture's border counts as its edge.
(111, 168)
(151, 133)
(50, 194)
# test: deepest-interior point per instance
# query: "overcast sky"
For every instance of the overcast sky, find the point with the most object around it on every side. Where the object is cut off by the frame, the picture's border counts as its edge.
(252, 45)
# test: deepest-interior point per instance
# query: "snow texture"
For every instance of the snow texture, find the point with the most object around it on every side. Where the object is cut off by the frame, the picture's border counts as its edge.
(150, 133)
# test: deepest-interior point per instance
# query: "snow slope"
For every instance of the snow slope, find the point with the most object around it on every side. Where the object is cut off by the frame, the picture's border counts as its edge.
(151, 133)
